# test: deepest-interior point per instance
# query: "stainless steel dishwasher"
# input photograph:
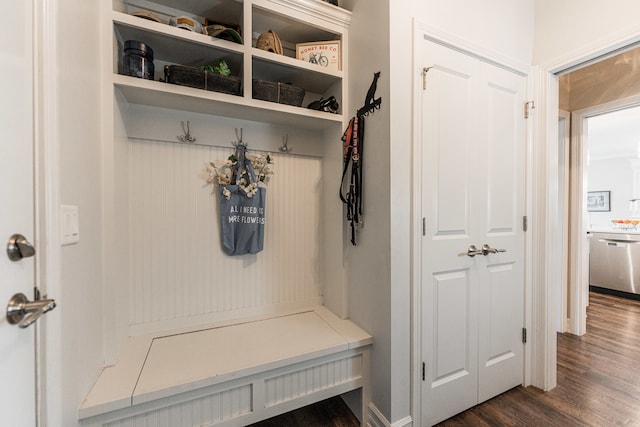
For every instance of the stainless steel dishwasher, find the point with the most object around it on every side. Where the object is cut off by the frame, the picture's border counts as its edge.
(614, 261)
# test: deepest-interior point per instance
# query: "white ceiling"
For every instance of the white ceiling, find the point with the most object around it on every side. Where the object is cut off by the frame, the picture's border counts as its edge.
(615, 134)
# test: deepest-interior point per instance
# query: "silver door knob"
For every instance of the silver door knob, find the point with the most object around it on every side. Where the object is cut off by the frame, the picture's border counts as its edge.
(18, 247)
(473, 251)
(486, 250)
(22, 312)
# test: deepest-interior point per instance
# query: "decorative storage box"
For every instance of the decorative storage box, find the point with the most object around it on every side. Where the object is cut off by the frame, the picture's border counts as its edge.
(201, 79)
(282, 93)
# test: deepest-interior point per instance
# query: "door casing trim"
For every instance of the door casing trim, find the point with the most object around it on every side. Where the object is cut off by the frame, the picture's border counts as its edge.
(47, 162)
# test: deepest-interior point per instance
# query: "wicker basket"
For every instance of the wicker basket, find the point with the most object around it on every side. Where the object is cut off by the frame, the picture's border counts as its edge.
(282, 93)
(200, 79)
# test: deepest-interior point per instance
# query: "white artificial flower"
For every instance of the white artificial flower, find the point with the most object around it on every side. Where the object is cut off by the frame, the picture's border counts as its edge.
(226, 174)
(226, 193)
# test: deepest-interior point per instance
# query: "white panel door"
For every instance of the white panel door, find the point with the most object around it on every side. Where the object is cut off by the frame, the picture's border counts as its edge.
(450, 285)
(17, 355)
(501, 284)
(472, 141)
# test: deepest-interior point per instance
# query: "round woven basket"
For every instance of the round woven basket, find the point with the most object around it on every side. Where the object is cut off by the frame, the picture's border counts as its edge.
(270, 41)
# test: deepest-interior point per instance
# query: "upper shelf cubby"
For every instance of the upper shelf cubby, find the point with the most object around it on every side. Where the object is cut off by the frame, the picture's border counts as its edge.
(290, 30)
(174, 45)
(295, 21)
(221, 10)
(312, 20)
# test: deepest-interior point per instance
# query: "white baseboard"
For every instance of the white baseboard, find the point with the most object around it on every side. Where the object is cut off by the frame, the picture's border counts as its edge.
(376, 419)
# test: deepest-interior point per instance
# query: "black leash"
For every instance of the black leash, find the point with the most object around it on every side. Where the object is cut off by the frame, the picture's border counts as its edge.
(351, 161)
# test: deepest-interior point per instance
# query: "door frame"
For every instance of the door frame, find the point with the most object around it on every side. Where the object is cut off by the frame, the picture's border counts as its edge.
(49, 393)
(579, 255)
(423, 31)
(564, 181)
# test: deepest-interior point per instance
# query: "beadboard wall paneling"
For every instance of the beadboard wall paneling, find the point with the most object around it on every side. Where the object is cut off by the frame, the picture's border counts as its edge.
(179, 274)
(207, 410)
(307, 381)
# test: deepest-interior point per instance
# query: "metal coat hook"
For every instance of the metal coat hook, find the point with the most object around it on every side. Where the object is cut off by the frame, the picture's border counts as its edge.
(285, 141)
(187, 134)
(239, 141)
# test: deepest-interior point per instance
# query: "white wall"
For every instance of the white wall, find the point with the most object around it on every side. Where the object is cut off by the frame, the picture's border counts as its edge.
(370, 295)
(503, 27)
(79, 303)
(616, 176)
(576, 28)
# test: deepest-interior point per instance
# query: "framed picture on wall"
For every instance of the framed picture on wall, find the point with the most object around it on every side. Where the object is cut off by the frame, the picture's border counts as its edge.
(599, 201)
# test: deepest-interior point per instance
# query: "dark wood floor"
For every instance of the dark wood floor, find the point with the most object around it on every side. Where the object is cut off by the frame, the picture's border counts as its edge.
(598, 382)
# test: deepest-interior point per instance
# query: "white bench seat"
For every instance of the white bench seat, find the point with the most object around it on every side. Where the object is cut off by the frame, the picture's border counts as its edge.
(234, 374)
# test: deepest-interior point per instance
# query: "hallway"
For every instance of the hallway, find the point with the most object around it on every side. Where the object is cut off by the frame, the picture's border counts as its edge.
(598, 379)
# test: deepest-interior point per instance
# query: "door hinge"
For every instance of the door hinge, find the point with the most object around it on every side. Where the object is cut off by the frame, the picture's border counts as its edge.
(424, 226)
(425, 70)
(525, 223)
(528, 106)
(423, 370)
(524, 335)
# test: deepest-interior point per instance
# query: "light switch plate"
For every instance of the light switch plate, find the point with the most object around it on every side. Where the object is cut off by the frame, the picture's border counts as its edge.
(70, 226)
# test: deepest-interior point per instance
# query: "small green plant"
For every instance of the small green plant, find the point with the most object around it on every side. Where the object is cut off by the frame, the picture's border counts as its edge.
(222, 68)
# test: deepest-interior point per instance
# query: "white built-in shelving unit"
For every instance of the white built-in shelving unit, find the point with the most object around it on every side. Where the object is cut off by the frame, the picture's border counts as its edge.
(164, 272)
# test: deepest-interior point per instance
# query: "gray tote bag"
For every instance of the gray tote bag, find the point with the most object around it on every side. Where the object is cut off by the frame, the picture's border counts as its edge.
(242, 217)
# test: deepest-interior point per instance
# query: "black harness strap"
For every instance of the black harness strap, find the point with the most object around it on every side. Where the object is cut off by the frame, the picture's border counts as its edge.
(353, 139)
(360, 168)
(348, 149)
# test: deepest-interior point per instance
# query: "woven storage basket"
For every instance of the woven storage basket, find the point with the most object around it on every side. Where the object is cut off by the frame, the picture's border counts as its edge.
(200, 79)
(282, 93)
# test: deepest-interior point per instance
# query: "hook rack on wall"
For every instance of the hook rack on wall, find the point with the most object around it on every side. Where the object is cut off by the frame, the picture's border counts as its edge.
(195, 130)
(187, 134)
(371, 103)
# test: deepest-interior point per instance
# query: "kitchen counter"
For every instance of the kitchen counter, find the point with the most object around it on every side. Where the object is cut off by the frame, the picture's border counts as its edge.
(610, 230)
